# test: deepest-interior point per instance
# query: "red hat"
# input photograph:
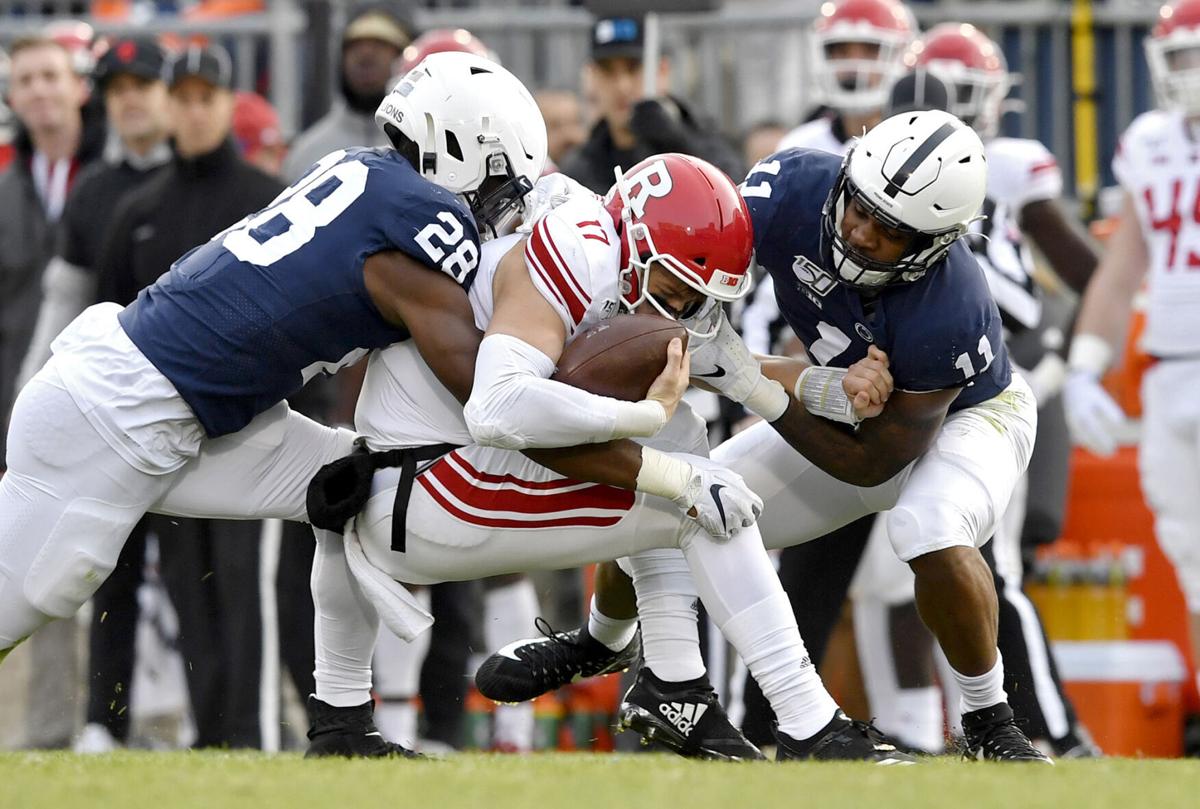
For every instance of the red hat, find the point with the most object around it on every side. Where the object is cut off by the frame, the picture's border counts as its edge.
(255, 123)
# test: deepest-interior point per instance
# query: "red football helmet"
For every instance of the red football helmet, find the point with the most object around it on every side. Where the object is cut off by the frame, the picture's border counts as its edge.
(859, 82)
(686, 215)
(1173, 53)
(974, 68)
(441, 40)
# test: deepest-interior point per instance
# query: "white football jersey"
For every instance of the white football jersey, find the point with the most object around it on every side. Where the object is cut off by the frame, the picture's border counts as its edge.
(815, 134)
(572, 255)
(1158, 164)
(1020, 171)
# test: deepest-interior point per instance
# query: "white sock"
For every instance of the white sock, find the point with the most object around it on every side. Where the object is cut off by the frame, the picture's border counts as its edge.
(345, 627)
(769, 641)
(397, 721)
(741, 592)
(918, 718)
(983, 691)
(512, 728)
(397, 663)
(666, 598)
(508, 613)
(615, 633)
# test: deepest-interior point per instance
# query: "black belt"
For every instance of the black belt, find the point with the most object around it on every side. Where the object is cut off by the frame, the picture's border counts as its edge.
(407, 459)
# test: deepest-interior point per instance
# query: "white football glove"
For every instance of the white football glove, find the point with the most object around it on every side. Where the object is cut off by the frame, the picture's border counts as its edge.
(1092, 416)
(723, 502)
(548, 193)
(724, 363)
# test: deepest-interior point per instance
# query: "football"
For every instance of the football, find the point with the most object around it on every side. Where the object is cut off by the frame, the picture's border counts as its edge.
(620, 357)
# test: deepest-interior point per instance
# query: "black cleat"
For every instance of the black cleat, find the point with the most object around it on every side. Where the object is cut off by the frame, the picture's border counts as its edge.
(348, 732)
(992, 735)
(843, 739)
(529, 668)
(686, 717)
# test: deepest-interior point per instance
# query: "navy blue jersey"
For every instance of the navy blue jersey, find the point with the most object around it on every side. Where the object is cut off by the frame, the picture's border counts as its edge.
(244, 320)
(941, 331)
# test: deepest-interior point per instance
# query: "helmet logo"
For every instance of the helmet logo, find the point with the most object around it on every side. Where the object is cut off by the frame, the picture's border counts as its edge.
(652, 181)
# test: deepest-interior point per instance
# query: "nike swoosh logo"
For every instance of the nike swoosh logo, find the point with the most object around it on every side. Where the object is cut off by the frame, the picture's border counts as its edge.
(715, 491)
(717, 374)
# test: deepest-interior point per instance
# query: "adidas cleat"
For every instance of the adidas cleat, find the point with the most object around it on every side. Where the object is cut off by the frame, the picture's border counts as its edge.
(686, 717)
(529, 668)
(843, 739)
(992, 735)
(348, 732)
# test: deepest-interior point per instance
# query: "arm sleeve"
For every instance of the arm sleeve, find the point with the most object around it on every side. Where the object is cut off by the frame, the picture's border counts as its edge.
(515, 405)
(66, 291)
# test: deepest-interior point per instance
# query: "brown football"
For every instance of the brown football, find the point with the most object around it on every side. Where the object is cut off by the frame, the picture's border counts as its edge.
(620, 357)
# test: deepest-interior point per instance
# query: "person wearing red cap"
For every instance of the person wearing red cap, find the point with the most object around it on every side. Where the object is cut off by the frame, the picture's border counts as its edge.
(256, 131)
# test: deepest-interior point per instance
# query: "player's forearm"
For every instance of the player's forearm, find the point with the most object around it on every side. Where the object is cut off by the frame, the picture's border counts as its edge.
(1069, 252)
(835, 448)
(516, 406)
(614, 463)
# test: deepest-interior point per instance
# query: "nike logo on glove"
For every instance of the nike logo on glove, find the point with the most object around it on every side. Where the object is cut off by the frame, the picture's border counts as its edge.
(715, 491)
(717, 374)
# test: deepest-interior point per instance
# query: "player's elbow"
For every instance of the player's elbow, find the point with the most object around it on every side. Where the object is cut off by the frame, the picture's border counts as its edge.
(490, 426)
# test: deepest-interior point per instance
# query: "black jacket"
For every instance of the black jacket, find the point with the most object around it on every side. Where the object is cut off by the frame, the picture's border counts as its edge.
(188, 202)
(657, 130)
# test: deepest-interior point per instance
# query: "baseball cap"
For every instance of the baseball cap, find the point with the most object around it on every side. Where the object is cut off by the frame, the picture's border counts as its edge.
(381, 23)
(617, 37)
(210, 63)
(255, 123)
(137, 57)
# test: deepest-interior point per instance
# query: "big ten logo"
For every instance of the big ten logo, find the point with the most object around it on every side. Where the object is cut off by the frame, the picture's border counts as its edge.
(651, 181)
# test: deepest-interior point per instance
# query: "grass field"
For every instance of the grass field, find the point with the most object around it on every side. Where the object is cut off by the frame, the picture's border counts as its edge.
(574, 781)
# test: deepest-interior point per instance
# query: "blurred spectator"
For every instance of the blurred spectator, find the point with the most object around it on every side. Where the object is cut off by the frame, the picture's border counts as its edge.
(6, 118)
(211, 568)
(631, 126)
(372, 41)
(51, 145)
(564, 122)
(129, 76)
(256, 130)
(762, 140)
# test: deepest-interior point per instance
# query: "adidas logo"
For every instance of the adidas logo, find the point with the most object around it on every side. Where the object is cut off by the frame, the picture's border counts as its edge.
(683, 715)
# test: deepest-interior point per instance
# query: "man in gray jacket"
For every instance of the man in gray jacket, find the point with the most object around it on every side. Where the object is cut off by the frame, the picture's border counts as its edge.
(374, 37)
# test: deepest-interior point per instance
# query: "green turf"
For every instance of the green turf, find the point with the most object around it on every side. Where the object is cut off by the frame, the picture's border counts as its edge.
(564, 781)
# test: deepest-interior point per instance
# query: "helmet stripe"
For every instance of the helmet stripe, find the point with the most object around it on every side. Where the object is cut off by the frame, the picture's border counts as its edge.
(915, 159)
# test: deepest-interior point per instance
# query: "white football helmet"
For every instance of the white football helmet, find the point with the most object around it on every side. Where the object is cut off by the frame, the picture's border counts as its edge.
(920, 173)
(470, 126)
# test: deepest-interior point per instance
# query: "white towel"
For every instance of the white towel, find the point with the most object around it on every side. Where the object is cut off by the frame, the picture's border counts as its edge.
(399, 609)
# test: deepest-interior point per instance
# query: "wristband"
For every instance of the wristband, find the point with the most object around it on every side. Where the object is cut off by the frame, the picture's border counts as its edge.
(1090, 353)
(638, 419)
(820, 389)
(663, 475)
(768, 399)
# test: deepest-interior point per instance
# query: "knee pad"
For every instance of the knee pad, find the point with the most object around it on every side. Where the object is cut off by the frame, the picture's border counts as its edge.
(925, 525)
(1180, 541)
(77, 557)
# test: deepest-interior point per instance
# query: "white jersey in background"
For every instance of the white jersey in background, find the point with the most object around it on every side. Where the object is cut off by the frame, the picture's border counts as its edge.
(1157, 164)
(815, 134)
(1020, 171)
